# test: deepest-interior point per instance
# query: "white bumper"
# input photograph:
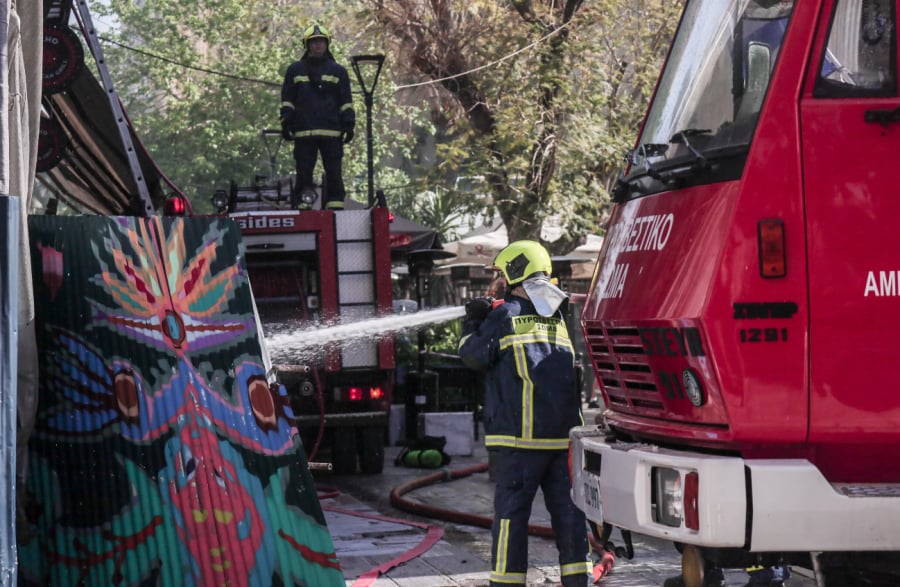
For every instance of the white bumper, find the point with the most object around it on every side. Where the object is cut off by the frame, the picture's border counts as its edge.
(791, 506)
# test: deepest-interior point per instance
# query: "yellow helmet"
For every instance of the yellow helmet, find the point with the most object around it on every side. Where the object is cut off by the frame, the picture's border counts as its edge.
(522, 259)
(316, 31)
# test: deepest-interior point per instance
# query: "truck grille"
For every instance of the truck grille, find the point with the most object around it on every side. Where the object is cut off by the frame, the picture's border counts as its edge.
(621, 365)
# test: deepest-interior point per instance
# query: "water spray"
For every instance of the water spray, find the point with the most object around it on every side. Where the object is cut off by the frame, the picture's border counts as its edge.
(295, 341)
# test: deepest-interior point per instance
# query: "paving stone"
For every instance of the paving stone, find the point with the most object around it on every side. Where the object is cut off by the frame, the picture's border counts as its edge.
(462, 557)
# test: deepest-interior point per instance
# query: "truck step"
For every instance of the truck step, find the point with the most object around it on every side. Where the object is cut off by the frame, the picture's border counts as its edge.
(868, 489)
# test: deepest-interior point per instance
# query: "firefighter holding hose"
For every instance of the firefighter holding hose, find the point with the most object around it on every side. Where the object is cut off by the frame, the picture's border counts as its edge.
(522, 345)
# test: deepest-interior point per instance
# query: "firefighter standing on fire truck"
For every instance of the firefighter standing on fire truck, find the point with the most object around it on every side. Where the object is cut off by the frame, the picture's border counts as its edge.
(523, 347)
(317, 115)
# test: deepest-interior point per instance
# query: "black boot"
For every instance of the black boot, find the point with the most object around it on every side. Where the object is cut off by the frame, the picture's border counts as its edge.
(769, 576)
(714, 577)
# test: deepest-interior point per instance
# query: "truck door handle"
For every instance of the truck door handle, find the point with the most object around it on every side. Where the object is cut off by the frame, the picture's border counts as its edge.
(883, 117)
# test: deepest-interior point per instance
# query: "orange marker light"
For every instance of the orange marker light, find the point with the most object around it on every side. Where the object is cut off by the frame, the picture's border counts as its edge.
(772, 261)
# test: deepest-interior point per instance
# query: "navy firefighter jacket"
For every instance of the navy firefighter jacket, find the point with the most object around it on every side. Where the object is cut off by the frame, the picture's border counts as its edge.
(316, 99)
(529, 363)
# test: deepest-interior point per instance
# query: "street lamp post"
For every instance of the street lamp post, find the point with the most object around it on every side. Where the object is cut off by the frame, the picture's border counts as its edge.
(371, 65)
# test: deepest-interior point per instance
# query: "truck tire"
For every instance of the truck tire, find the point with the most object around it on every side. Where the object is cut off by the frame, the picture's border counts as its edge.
(371, 450)
(343, 451)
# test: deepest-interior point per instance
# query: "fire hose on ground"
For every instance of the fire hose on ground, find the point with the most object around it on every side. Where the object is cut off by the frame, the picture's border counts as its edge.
(432, 535)
(435, 533)
(599, 541)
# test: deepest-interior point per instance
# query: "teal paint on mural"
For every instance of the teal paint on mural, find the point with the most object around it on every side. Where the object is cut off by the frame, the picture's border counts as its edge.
(162, 454)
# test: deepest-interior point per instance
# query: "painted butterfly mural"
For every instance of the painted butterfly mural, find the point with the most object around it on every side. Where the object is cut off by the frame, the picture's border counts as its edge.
(163, 453)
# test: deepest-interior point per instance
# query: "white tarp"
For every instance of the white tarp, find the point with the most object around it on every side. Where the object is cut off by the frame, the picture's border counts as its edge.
(20, 94)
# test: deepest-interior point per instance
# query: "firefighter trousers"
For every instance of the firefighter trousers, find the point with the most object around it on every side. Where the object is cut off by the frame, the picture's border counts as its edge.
(306, 151)
(519, 474)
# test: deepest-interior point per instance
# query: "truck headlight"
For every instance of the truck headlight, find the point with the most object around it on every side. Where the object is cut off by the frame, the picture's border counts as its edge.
(308, 196)
(220, 201)
(675, 498)
(667, 496)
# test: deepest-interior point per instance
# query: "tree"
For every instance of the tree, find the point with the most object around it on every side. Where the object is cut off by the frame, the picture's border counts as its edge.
(539, 98)
(542, 98)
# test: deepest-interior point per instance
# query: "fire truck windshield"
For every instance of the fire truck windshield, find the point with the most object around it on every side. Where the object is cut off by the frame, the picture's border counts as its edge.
(710, 93)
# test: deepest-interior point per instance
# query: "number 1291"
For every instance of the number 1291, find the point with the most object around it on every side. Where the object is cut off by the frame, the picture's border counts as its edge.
(764, 334)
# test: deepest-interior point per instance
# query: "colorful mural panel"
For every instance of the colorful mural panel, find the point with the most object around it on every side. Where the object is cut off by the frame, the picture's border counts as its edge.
(162, 454)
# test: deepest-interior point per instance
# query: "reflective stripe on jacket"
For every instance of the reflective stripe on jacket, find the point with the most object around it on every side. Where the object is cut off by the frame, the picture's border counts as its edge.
(529, 363)
(316, 98)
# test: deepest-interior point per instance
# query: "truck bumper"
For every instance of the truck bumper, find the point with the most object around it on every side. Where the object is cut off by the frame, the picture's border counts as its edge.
(766, 505)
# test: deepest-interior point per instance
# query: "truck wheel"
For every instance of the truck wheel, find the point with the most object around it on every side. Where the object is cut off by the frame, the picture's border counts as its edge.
(371, 450)
(343, 451)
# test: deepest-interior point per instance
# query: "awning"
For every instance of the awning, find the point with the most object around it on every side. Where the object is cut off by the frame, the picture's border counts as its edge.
(589, 250)
(482, 247)
(477, 249)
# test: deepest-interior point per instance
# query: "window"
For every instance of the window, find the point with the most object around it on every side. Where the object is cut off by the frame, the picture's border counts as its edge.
(860, 58)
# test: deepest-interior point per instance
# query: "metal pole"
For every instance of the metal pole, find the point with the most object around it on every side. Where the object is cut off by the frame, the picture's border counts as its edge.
(4, 99)
(420, 294)
(370, 149)
(9, 348)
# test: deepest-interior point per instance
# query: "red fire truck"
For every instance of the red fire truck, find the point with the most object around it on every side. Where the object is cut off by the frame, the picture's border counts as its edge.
(313, 269)
(743, 317)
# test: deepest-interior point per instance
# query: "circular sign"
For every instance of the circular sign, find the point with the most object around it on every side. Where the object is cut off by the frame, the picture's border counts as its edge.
(63, 58)
(51, 145)
(693, 388)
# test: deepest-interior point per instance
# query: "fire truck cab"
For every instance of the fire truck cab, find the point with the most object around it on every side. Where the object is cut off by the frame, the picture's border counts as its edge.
(742, 320)
(312, 269)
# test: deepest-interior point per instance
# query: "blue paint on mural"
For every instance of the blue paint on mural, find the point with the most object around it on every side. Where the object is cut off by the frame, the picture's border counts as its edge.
(162, 454)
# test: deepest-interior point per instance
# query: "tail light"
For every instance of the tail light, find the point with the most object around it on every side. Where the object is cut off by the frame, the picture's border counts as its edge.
(358, 394)
(692, 501)
(770, 235)
(176, 205)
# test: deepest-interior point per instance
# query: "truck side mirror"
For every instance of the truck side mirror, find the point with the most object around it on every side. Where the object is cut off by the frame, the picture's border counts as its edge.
(759, 67)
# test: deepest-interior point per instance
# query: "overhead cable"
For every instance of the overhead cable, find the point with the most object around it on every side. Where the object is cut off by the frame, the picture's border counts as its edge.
(277, 85)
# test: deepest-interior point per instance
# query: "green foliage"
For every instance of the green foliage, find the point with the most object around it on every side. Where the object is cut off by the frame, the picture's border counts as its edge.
(444, 337)
(202, 79)
(440, 338)
(539, 98)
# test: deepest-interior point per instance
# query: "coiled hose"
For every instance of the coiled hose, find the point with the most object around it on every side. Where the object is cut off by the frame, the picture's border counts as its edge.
(469, 519)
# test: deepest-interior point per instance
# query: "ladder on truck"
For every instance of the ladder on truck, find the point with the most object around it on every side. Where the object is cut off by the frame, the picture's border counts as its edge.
(356, 282)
